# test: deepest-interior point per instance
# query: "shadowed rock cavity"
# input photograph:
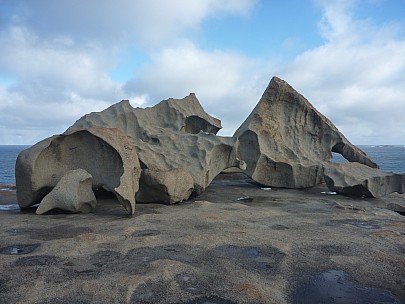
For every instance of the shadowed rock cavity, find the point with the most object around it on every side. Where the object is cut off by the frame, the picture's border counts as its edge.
(285, 141)
(107, 154)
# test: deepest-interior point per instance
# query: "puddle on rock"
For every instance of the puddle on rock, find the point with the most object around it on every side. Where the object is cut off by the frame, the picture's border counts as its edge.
(334, 287)
(260, 259)
(10, 207)
(244, 199)
(362, 224)
(328, 192)
(19, 249)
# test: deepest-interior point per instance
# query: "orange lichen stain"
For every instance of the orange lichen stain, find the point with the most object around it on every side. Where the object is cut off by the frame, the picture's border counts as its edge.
(387, 233)
(396, 224)
(252, 291)
(214, 217)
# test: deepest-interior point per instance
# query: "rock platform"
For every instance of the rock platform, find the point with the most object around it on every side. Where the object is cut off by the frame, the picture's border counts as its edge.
(235, 243)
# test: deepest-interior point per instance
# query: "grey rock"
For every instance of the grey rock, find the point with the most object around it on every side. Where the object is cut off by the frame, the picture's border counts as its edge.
(107, 154)
(174, 134)
(285, 141)
(360, 180)
(167, 187)
(72, 193)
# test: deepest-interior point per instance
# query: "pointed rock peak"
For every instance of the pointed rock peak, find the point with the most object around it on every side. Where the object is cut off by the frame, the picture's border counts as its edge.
(285, 140)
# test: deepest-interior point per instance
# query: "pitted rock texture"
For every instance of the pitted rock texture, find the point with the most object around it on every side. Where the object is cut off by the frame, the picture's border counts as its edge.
(285, 141)
(72, 193)
(185, 115)
(107, 154)
(360, 180)
(174, 134)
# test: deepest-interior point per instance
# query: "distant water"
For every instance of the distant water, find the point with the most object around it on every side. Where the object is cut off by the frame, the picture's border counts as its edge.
(389, 158)
(8, 156)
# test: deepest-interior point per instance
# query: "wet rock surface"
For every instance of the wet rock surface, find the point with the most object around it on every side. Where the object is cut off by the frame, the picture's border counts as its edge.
(334, 287)
(282, 246)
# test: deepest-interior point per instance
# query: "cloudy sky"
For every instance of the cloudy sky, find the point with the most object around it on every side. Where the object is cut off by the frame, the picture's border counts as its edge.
(62, 59)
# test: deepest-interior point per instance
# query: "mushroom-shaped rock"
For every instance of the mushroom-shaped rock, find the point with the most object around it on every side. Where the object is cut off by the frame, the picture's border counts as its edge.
(168, 187)
(106, 153)
(72, 193)
(360, 180)
(285, 141)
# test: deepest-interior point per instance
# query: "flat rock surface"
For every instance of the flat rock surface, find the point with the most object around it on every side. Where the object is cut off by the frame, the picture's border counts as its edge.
(236, 243)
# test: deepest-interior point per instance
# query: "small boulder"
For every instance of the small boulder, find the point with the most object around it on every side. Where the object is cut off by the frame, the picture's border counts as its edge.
(169, 187)
(360, 180)
(72, 193)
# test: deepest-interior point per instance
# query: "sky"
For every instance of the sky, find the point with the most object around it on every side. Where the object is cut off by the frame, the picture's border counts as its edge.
(62, 59)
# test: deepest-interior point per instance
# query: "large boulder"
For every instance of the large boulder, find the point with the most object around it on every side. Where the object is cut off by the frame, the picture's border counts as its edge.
(285, 141)
(106, 153)
(72, 193)
(174, 134)
(360, 180)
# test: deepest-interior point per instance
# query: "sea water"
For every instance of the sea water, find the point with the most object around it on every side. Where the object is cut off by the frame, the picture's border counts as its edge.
(389, 158)
(8, 156)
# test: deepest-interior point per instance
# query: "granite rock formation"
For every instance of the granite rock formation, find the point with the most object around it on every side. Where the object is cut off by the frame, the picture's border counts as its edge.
(106, 153)
(285, 141)
(174, 134)
(169, 152)
(72, 193)
(360, 180)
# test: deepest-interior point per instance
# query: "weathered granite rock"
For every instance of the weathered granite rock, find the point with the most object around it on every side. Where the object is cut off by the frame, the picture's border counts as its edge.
(72, 193)
(106, 153)
(285, 141)
(176, 133)
(185, 115)
(168, 187)
(360, 180)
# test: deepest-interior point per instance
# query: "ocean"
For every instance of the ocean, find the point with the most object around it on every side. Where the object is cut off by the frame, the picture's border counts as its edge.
(389, 158)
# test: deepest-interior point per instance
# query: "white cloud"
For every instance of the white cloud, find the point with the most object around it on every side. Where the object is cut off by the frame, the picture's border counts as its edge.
(357, 77)
(148, 22)
(58, 54)
(226, 83)
(55, 57)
